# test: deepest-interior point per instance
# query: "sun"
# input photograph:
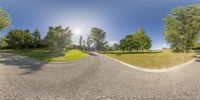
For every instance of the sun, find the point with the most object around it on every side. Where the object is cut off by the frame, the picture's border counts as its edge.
(77, 32)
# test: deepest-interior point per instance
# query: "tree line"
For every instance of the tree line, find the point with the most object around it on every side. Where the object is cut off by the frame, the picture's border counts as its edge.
(56, 38)
(136, 41)
(95, 40)
(182, 33)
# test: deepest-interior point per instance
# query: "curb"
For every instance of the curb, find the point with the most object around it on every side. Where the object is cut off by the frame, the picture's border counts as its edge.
(175, 68)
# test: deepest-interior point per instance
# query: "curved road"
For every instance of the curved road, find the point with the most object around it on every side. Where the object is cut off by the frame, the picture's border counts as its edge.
(93, 78)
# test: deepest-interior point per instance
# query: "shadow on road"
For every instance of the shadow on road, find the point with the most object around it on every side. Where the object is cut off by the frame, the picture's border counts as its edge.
(21, 62)
(198, 58)
(92, 54)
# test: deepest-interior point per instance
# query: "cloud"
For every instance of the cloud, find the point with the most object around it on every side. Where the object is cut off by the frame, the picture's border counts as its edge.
(165, 46)
(111, 42)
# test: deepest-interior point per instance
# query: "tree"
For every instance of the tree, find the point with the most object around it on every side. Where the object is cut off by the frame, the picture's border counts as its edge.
(197, 45)
(182, 28)
(89, 42)
(36, 38)
(141, 40)
(18, 39)
(3, 42)
(65, 39)
(129, 43)
(84, 45)
(122, 45)
(115, 47)
(58, 37)
(98, 38)
(80, 42)
(107, 47)
(5, 20)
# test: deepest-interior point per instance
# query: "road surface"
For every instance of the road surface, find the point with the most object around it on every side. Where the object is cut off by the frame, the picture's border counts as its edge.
(93, 78)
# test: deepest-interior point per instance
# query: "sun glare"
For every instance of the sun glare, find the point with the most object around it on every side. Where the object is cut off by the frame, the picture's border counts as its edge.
(77, 32)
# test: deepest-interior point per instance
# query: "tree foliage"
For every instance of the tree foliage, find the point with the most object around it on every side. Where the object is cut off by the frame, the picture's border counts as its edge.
(81, 42)
(5, 20)
(3, 42)
(89, 42)
(137, 41)
(36, 38)
(98, 36)
(84, 45)
(129, 42)
(18, 39)
(58, 37)
(115, 47)
(141, 40)
(122, 45)
(182, 28)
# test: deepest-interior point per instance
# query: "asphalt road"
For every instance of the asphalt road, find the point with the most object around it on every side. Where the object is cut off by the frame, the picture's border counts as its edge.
(93, 78)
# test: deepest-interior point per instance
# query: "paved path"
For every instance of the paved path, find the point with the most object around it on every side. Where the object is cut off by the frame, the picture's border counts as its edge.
(94, 78)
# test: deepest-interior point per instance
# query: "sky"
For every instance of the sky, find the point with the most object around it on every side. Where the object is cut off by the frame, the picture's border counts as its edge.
(117, 18)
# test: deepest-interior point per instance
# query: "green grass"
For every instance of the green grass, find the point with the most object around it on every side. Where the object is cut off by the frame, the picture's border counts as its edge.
(49, 55)
(153, 60)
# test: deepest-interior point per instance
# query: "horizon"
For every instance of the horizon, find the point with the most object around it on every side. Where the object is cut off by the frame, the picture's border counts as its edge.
(117, 19)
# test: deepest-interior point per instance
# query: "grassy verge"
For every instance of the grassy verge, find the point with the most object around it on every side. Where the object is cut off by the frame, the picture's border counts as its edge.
(154, 60)
(49, 55)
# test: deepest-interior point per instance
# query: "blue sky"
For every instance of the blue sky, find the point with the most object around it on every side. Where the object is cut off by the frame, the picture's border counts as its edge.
(117, 17)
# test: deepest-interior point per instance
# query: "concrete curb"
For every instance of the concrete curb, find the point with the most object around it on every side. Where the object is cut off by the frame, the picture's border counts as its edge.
(152, 70)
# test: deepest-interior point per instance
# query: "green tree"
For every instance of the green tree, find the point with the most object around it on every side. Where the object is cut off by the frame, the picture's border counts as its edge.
(3, 42)
(107, 47)
(18, 39)
(58, 37)
(115, 47)
(141, 40)
(129, 43)
(98, 38)
(65, 39)
(89, 42)
(5, 20)
(182, 28)
(122, 45)
(36, 38)
(84, 45)
(81, 42)
(197, 45)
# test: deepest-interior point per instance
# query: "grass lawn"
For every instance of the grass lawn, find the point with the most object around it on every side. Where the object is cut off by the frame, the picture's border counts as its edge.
(49, 55)
(153, 60)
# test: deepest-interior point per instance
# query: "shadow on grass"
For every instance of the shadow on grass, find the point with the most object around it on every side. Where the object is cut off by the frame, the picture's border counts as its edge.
(9, 57)
(29, 65)
(41, 54)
